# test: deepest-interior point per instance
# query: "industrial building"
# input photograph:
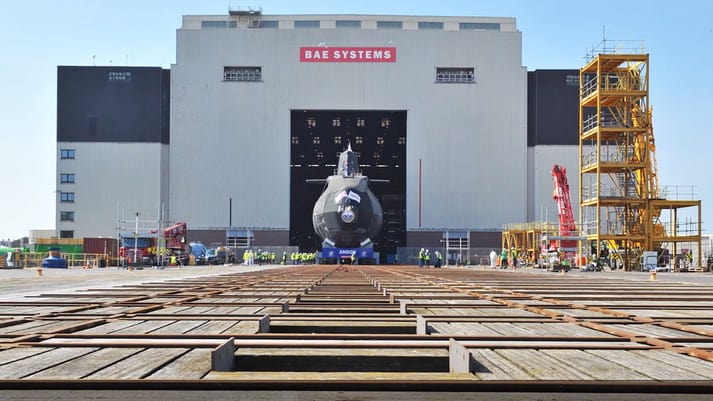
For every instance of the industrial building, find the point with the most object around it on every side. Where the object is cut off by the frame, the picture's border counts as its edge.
(441, 107)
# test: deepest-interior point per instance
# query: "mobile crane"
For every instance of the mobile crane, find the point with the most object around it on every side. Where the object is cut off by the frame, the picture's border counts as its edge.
(554, 245)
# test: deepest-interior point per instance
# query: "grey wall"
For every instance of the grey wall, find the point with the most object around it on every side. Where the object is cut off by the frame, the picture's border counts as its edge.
(93, 108)
(470, 138)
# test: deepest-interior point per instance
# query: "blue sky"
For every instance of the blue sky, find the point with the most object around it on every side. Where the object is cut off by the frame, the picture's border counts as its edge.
(37, 36)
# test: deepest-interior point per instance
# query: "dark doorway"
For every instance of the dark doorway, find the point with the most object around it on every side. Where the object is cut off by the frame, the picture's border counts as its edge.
(378, 138)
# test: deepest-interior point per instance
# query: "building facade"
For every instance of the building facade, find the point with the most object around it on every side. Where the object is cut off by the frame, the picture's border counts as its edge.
(440, 107)
(239, 80)
(112, 148)
(552, 138)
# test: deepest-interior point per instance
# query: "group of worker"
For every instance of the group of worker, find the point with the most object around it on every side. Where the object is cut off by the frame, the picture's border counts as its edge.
(424, 258)
(302, 258)
(261, 257)
(506, 258)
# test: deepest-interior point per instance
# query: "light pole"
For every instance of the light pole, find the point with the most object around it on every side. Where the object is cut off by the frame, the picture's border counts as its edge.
(136, 238)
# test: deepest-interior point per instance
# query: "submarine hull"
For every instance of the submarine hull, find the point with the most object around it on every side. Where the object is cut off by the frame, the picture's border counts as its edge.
(347, 214)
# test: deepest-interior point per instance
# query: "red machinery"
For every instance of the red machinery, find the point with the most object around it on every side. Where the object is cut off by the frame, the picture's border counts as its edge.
(175, 236)
(144, 249)
(567, 227)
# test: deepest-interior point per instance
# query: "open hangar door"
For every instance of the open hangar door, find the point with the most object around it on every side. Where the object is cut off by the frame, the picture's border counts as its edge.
(378, 137)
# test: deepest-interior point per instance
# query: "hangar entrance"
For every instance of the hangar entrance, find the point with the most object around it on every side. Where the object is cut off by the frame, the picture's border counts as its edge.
(378, 137)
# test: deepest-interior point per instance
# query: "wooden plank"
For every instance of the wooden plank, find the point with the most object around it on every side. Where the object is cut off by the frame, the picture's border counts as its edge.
(472, 329)
(212, 327)
(169, 310)
(110, 327)
(647, 365)
(33, 364)
(542, 367)
(509, 329)
(33, 326)
(179, 327)
(145, 327)
(592, 365)
(139, 365)
(692, 364)
(190, 366)
(650, 330)
(223, 310)
(489, 365)
(85, 365)
(110, 310)
(242, 327)
(17, 353)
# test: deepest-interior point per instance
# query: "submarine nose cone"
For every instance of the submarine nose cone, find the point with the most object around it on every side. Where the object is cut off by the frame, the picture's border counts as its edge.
(348, 215)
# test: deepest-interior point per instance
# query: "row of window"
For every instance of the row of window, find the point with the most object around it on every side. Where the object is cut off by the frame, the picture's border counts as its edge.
(455, 75)
(354, 24)
(242, 73)
(443, 75)
(358, 140)
(68, 178)
(119, 76)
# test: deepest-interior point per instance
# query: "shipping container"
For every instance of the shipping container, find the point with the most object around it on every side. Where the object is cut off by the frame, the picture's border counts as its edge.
(100, 245)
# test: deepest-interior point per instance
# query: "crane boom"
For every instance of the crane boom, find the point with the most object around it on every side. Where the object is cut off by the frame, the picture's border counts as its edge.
(567, 226)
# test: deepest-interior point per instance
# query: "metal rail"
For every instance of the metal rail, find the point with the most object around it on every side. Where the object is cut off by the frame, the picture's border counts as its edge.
(474, 331)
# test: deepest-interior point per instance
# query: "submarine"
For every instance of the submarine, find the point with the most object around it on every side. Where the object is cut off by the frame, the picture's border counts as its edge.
(347, 214)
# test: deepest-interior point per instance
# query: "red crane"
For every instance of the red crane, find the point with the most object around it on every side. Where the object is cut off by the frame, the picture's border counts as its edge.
(564, 210)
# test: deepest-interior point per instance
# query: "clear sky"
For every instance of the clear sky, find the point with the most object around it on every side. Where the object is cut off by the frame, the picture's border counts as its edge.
(37, 36)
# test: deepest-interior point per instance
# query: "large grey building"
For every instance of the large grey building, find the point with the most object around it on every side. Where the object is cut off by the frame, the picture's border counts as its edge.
(436, 105)
(112, 147)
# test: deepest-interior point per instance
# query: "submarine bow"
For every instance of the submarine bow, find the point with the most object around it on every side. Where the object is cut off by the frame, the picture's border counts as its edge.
(347, 214)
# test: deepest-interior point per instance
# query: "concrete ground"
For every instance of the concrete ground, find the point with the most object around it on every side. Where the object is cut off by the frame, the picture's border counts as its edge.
(18, 283)
(692, 278)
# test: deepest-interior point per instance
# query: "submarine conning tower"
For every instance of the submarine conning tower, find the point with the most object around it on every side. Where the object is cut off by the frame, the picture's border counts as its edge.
(348, 163)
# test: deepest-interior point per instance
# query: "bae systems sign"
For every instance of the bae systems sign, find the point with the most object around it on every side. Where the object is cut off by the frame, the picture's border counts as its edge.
(347, 54)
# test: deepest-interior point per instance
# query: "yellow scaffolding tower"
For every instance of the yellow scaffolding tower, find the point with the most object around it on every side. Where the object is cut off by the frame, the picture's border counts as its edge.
(526, 238)
(620, 202)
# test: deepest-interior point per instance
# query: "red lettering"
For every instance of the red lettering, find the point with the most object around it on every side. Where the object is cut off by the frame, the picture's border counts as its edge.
(347, 54)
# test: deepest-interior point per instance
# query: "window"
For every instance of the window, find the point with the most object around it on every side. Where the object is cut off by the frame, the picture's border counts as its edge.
(430, 25)
(66, 153)
(240, 238)
(480, 26)
(572, 80)
(265, 24)
(389, 24)
(242, 74)
(119, 76)
(66, 234)
(307, 24)
(348, 24)
(455, 75)
(66, 178)
(66, 197)
(219, 24)
(66, 216)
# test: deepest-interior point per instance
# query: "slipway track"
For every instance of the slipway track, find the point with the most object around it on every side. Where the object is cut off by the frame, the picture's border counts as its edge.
(370, 332)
